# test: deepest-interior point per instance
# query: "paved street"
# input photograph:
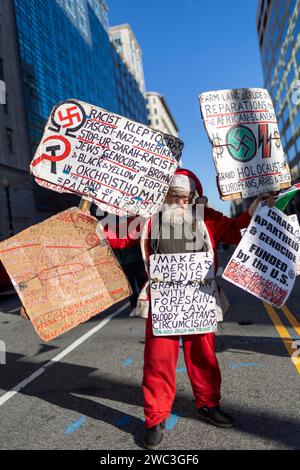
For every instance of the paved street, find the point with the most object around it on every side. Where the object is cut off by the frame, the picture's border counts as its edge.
(89, 396)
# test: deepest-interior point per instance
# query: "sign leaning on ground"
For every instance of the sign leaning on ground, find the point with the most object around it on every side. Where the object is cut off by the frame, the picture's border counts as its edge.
(242, 127)
(265, 261)
(182, 294)
(125, 167)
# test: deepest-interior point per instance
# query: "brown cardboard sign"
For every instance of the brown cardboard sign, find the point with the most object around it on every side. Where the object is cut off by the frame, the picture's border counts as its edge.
(63, 273)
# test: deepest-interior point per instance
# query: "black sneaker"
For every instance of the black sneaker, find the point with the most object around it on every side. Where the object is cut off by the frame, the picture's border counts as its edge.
(154, 436)
(216, 416)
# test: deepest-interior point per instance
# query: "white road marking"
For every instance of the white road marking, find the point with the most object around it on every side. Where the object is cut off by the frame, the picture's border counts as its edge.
(15, 309)
(8, 395)
(8, 292)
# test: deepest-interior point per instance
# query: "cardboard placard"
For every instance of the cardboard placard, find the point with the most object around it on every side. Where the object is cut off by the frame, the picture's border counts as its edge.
(182, 294)
(242, 127)
(265, 261)
(124, 166)
(63, 273)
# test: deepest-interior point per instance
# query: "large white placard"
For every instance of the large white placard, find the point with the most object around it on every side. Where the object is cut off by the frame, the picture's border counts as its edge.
(242, 127)
(125, 167)
(265, 261)
(182, 294)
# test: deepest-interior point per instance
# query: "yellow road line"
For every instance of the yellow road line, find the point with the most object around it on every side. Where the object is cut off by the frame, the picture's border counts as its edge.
(292, 319)
(284, 334)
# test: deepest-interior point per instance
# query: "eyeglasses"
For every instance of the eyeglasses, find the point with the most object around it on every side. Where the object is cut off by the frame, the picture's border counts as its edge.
(180, 197)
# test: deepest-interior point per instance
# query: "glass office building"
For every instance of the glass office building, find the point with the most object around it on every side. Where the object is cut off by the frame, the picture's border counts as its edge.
(63, 51)
(278, 26)
(66, 52)
(131, 101)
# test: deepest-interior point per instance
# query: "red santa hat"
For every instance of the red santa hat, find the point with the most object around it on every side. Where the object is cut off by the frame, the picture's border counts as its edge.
(186, 180)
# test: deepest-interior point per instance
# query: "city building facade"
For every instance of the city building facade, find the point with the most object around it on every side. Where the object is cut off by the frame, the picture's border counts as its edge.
(130, 51)
(131, 101)
(52, 50)
(160, 116)
(17, 208)
(278, 27)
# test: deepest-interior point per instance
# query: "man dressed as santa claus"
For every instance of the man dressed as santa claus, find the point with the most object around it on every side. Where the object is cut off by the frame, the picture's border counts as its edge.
(180, 227)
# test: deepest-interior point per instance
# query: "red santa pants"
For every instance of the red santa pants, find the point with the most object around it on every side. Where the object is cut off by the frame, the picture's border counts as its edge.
(160, 359)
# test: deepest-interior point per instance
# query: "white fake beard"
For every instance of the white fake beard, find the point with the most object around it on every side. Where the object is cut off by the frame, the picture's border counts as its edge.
(183, 221)
(176, 214)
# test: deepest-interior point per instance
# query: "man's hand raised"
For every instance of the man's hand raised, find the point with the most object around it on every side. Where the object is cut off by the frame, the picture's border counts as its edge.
(269, 197)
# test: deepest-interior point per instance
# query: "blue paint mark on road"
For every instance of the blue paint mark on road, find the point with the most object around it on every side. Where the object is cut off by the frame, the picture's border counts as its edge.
(124, 421)
(128, 419)
(172, 421)
(127, 362)
(236, 365)
(75, 425)
(181, 369)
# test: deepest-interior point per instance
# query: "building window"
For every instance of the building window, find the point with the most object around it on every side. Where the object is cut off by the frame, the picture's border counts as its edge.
(286, 114)
(9, 139)
(288, 133)
(5, 106)
(155, 111)
(1, 70)
(292, 153)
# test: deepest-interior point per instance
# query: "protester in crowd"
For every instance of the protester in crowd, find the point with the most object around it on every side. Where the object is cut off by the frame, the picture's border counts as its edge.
(161, 352)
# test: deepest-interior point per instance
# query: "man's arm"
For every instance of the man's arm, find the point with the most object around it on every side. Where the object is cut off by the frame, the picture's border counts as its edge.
(224, 229)
(127, 238)
(227, 230)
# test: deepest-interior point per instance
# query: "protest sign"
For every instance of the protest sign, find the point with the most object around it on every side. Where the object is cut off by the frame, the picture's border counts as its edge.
(182, 294)
(264, 262)
(124, 166)
(247, 152)
(63, 272)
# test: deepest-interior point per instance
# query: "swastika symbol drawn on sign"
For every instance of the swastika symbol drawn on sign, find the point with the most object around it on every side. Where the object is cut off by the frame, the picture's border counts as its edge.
(70, 116)
(92, 239)
(241, 143)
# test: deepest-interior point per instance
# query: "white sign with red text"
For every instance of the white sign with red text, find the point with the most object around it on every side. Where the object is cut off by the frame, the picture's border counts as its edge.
(125, 167)
(265, 261)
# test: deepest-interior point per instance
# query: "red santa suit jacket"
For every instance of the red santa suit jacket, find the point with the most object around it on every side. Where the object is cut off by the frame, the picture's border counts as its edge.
(219, 227)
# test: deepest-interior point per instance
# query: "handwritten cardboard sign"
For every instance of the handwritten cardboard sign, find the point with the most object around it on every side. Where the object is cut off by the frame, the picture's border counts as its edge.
(125, 167)
(242, 127)
(182, 294)
(63, 273)
(265, 261)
